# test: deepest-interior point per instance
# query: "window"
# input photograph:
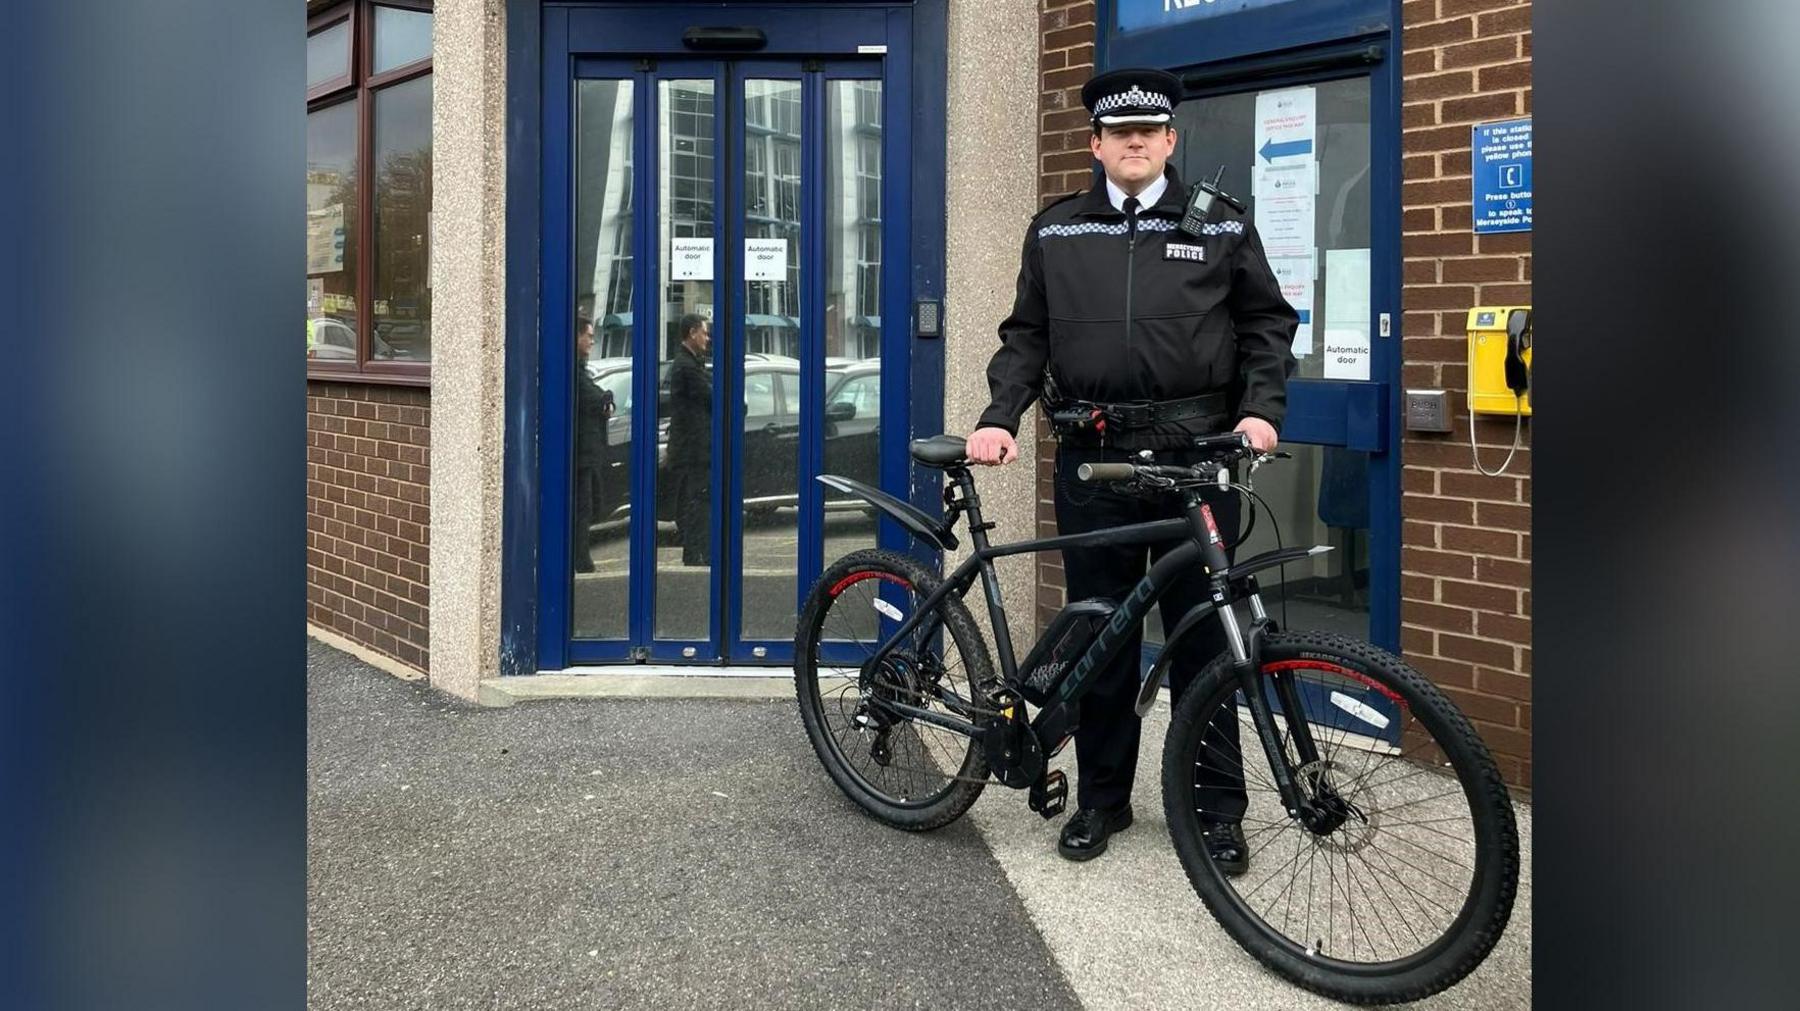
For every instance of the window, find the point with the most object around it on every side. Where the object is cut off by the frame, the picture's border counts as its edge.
(368, 191)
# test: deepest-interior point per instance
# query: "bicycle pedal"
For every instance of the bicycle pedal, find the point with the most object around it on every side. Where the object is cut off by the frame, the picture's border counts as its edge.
(1050, 794)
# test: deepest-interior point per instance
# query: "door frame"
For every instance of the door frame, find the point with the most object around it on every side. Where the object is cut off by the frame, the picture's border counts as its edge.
(1302, 42)
(540, 40)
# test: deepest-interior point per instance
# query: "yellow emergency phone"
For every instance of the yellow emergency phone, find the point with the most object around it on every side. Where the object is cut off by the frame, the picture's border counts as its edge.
(1500, 360)
(1499, 372)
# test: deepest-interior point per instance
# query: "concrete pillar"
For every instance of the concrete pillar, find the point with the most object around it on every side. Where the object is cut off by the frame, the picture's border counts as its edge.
(992, 133)
(468, 273)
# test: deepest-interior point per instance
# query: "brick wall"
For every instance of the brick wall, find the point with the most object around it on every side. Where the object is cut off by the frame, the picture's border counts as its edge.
(1465, 589)
(1065, 63)
(1466, 542)
(368, 515)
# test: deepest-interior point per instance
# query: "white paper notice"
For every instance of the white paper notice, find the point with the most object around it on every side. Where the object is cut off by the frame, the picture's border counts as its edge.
(1346, 314)
(1295, 275)
(765, 259)
(1283, 181)
(691, 259)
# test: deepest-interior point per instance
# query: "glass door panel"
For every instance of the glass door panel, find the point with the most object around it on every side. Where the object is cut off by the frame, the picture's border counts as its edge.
(602, 401)
(689, 452)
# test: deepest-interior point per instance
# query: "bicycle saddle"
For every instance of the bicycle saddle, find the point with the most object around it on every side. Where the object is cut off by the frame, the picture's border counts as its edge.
(940, 451)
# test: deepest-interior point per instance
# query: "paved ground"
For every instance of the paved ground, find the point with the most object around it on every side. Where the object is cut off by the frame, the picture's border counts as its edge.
(655, 853)
(629, 854)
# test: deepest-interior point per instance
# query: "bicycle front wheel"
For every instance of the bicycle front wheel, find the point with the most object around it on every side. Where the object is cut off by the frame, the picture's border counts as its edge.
(1401, 881)
(906, 772)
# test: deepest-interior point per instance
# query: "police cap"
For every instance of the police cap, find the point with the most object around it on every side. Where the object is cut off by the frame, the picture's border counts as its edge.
(1132, 95)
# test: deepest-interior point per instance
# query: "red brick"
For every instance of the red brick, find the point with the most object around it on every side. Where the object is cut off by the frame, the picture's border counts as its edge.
(1442, 672)
(1069, 37)
(1455, 163)
(1500, 626)
(1506, 242)
(1418, 479)
(1436, 563)
(1504, 740)
(1425, 141)
(1419, 271)
(1498, 682)
(1441, 244)
(1475, 540)
(1418, 534)
(1429, 349)
(1480, 52)
(1478, 486)
(1504, 76)
(1460, 647)
(1507, 517)
(1414, 12)
(1518, 19)
(1421, 588)
(1422, 641)
(1501, 599)
(1419, 63)
(1445, 85)
(1435, 35)
(1443, 296)
(1418, 114)
(1501, 572)
(1436, 510)
(1454, 8)
(1487, 708)
(1485, 268)
(1437, 616)
(1419, 219)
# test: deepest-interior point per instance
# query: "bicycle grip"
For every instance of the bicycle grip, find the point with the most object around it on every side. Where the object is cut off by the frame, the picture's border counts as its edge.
(1106, 471)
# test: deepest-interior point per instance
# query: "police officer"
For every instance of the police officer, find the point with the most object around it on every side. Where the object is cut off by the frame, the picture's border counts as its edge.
(1176, 334)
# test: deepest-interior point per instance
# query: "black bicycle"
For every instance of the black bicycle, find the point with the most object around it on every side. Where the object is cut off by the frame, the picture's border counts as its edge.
(1383, 852)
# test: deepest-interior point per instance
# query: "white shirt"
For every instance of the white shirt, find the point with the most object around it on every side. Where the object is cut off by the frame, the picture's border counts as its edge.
(1147, 199)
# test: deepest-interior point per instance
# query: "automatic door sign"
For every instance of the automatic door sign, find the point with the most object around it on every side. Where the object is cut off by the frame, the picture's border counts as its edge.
(1501, 157)
(691, 259)
(765, 259)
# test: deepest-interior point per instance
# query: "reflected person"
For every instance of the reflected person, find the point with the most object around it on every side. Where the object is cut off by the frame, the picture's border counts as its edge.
(593, 407)
(690, 438)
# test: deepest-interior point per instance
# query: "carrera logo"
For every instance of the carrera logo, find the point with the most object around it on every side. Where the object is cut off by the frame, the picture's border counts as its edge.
(1182, 251)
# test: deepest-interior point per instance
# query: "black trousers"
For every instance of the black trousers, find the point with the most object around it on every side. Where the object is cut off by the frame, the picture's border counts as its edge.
(587, 513)
(693, 510)
(1106, 740)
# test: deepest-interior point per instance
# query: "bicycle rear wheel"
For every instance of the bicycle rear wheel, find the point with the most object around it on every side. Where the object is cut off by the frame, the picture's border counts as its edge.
(1407, 885)
(906, 772)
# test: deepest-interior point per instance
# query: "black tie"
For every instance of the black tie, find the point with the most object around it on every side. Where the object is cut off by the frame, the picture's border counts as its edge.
(1131, 208)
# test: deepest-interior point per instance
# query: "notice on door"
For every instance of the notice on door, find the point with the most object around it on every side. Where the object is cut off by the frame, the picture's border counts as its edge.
(765, 259)
(691, 259)
(1295, 276)
(1284, 181)
(1346, 314)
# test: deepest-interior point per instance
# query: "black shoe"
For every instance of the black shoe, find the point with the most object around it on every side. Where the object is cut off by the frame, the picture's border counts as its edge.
(1225, 843)
(1084, 837)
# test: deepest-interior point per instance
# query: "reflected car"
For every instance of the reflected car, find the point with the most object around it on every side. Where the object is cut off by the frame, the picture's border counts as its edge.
(335, 340)
(770, 436)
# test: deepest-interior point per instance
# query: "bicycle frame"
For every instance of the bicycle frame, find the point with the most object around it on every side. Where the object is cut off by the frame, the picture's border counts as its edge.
(1055, 722)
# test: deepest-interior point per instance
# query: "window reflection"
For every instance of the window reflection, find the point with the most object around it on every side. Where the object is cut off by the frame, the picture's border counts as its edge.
(402, 295)
(331, 233)
(852, 307)
(600, 499)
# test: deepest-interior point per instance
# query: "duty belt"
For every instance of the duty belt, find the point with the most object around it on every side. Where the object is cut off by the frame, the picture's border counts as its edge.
(1083, 415)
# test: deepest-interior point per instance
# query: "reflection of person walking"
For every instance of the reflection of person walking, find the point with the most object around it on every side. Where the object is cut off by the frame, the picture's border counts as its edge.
(593, 406)
(690, 439)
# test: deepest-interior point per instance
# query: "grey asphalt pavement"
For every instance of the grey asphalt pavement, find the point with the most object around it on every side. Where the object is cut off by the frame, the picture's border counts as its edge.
(653, 853)
(629, 854)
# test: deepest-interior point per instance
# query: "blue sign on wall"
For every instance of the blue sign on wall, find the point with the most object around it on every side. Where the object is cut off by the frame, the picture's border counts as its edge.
(1502, 169)
(1135, 14)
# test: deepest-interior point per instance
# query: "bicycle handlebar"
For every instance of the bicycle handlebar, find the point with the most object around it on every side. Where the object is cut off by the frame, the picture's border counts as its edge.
(1221, 450)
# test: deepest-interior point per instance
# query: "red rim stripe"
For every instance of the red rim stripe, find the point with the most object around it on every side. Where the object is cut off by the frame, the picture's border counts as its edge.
(1281, 665)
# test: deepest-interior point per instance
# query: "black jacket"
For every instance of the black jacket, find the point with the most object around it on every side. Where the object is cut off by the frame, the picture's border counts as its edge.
(1116, 315)
(591, 408)
(690, 410)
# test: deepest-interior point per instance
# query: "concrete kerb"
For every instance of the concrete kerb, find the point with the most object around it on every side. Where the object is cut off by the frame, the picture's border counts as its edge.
(640, 683)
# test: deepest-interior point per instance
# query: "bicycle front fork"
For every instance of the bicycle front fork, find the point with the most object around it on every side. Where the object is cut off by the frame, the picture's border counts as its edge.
(1246, 655)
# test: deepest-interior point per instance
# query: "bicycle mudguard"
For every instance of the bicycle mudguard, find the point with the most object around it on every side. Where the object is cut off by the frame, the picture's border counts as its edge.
(915, 520)
(1153, 677)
